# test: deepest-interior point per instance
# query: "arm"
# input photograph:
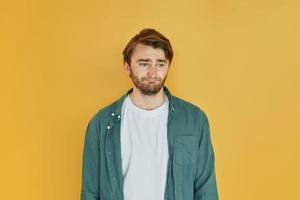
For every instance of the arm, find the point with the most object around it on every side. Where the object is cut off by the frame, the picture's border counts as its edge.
(205, 186)
(90, 165)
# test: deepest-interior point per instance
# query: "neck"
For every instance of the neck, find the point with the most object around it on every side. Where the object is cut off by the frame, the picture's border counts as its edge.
(147, 102)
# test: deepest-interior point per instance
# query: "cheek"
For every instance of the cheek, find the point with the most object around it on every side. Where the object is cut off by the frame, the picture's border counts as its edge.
(139, 74)
(163, 73)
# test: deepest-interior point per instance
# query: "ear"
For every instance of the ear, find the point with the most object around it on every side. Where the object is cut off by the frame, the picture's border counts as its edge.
(127, 67)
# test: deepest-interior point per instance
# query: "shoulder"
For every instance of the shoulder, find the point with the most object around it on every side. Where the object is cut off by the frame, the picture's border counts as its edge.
(102, 116)
(189, 107)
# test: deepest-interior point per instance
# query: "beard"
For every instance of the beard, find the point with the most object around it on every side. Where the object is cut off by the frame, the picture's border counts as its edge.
(148, 86)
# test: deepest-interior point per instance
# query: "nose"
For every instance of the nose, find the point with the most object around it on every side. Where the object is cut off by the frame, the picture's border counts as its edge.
(152, 71)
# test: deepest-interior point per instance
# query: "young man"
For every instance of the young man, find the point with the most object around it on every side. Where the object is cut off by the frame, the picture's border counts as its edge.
(149, 144)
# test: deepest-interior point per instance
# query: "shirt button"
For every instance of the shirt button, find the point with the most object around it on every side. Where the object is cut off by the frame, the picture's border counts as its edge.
(112, 114)
(108, 127)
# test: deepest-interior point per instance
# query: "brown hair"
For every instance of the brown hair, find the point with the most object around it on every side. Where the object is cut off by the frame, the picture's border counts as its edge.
(149, 37)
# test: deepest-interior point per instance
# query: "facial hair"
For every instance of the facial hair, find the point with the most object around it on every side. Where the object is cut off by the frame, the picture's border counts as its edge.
(149, 88)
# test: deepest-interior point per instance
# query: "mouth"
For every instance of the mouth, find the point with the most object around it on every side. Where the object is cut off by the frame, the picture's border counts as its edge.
(152, 81)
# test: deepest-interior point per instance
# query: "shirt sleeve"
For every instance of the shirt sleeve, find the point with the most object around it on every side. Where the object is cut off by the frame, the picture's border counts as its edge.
(90, 165)
(205, 186)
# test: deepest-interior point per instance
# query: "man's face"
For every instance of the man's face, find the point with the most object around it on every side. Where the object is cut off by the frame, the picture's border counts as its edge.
(148, 69)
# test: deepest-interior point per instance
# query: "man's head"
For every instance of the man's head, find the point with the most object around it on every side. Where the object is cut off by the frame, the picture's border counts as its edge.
(147, 58)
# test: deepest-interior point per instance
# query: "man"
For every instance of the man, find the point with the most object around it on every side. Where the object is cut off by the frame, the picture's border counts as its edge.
(149, 144)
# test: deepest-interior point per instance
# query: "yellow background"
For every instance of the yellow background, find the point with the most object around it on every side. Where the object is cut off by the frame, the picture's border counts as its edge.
(237, 59)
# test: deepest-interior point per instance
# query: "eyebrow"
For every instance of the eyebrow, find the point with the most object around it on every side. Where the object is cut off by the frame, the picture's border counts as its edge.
(147, 60)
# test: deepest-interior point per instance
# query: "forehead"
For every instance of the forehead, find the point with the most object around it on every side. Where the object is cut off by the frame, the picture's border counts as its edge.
(145, 51)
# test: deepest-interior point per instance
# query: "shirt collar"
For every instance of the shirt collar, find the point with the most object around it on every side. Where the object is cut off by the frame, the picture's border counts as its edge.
(120, 102)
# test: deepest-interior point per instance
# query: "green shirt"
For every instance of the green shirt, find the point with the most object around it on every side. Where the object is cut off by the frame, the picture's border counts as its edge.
(191, 164)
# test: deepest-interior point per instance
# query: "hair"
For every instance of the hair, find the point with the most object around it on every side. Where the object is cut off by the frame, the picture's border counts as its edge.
(149, 37)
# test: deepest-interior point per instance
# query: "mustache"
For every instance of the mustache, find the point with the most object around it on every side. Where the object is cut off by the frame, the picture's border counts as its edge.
(148, 79)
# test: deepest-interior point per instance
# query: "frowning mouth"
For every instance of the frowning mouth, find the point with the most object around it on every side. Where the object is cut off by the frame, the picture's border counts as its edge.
(152, 81)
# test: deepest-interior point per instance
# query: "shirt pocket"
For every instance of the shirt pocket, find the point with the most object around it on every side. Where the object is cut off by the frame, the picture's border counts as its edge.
(185, 149)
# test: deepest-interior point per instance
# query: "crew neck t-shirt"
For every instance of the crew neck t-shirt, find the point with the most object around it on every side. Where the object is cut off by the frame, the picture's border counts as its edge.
(144, 151)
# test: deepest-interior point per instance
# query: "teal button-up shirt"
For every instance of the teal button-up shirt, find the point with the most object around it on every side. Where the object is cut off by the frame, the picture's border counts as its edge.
(191, 164)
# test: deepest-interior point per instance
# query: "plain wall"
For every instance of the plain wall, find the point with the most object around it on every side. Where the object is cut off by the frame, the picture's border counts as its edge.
(61, 62)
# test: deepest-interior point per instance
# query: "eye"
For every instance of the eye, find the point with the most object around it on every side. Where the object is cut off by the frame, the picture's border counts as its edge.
(161, 64)
(143, 64)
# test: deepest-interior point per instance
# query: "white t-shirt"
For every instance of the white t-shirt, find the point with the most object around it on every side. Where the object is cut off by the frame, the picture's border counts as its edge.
(144, 151)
